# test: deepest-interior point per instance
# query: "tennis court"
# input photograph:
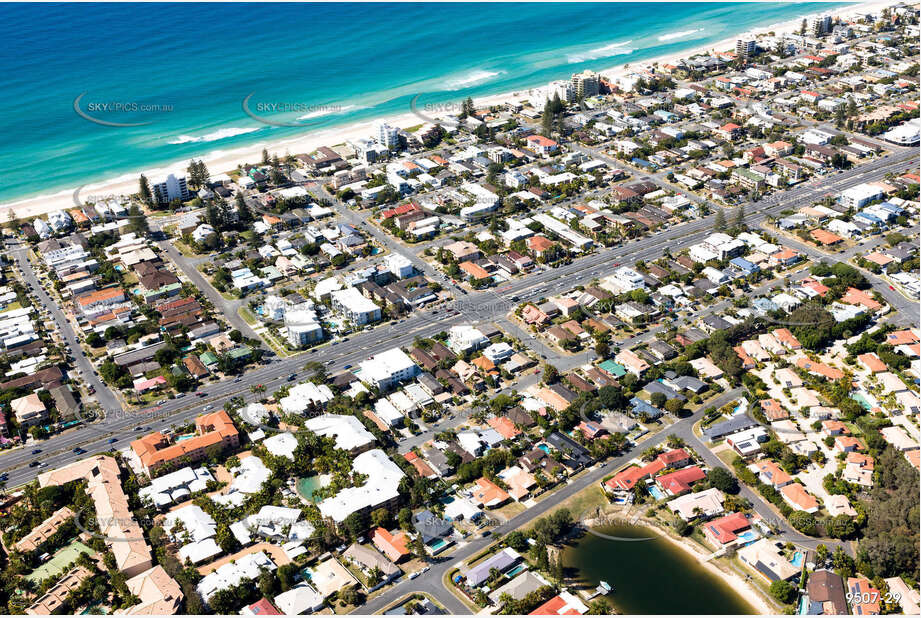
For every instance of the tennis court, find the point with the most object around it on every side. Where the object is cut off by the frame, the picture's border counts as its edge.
(59, 561)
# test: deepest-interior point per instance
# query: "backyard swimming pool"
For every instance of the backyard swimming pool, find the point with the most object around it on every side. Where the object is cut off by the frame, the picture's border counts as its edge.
(748, 536)
(655, 492)
(859, 398)
(797, 560)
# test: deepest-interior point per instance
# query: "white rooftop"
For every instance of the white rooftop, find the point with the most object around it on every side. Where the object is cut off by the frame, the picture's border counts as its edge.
(348, 431)
(381, 486)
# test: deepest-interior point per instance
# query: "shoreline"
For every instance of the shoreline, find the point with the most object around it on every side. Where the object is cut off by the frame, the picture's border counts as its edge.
(227, 160)
(746, 592)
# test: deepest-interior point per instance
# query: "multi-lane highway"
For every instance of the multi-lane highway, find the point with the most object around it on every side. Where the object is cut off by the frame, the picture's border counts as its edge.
(473, 307)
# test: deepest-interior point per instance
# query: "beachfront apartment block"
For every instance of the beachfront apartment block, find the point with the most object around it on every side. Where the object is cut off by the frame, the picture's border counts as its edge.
(387, 135)
(170, 188)
(819, 25)
(746, 47)
(586, 84)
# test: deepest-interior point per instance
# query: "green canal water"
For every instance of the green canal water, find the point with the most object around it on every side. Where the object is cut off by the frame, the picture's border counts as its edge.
(650, 577)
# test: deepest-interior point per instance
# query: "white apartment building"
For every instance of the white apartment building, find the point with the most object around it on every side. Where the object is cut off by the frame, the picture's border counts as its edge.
(819, 24)
(165, 190)
(399, 265)
(387, 369)
(386, 135)
(464, 338)
(586, 84)
(746, 47)
(302, 327)
(624, 280)
(350, 304)
(860, 196)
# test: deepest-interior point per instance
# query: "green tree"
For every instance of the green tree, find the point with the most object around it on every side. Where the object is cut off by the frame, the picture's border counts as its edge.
(723, 480)
(719, 223)
(783, 591)
(738, 223)
(144, 192)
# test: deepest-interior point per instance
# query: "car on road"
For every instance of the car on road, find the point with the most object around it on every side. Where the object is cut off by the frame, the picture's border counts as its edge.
(138, 428)
(201, 394)
(412, 575)
(112, 440)
(36, 451)
(347, 367)
(292, 377)
(238, 380)
(79, 451)
(34, 464)
(329, 362)
(208, 407)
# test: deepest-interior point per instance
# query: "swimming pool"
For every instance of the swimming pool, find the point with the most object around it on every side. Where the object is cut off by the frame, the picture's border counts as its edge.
(439, 545)
(544, 448)
(748, 536)
(859, 398)
(306, 486)
(797, 560)
(655, 492)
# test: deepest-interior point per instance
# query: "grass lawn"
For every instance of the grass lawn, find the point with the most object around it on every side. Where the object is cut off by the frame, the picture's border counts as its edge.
(59, 561)
(727, 457)
(247, 315)
(589, 498)
(511, 510)
(184, 249)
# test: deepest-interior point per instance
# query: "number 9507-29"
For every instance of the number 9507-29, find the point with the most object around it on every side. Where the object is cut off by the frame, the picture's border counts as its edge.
(873, 597)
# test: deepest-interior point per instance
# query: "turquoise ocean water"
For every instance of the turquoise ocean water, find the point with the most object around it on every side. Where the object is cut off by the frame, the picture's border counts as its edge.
(183, 70)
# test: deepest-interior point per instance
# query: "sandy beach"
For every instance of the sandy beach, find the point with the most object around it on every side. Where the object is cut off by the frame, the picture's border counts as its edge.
(228, 160)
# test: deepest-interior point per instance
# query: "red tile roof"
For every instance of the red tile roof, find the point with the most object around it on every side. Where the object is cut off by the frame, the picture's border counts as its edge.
(680, 481)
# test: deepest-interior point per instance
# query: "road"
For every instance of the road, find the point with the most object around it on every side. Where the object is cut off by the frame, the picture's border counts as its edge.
(431, 581)
(228, 308)
(107, 400)
(475, 307)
